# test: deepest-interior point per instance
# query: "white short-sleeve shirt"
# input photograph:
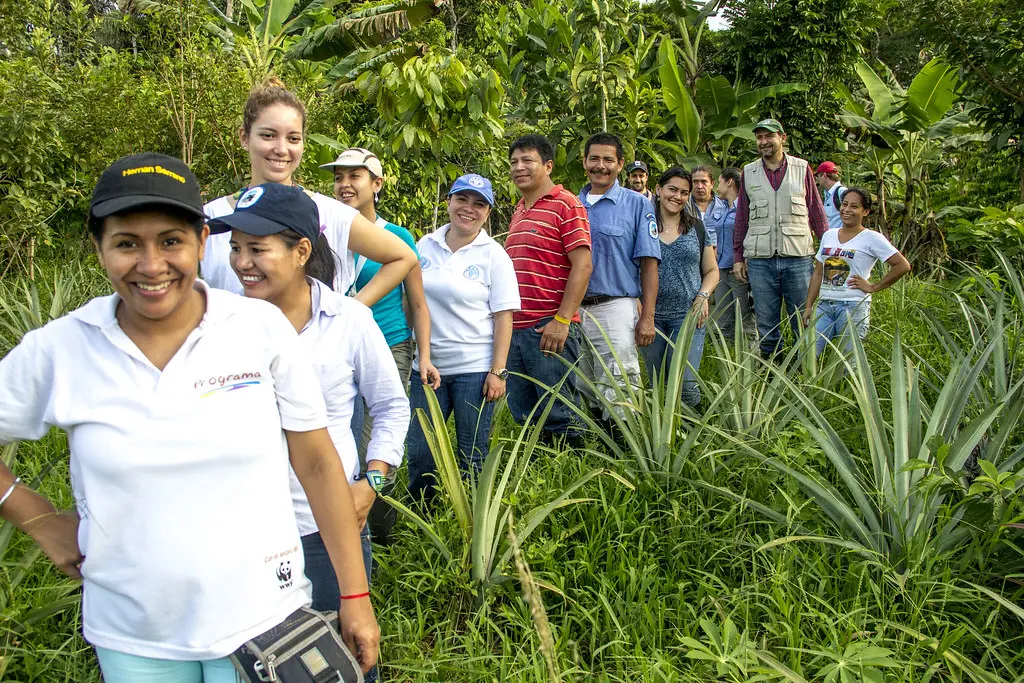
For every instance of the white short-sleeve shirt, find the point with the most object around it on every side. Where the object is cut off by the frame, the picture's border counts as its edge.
(351, 357)
(464, 290)
(841, 260)
(180, 476)
(335, 224)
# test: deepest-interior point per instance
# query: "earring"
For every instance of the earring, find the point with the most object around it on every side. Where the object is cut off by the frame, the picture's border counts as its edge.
(376, 197)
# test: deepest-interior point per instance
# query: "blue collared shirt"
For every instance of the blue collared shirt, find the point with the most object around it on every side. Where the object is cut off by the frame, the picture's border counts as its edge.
(719, 221)
(831, 212)
(623, 231)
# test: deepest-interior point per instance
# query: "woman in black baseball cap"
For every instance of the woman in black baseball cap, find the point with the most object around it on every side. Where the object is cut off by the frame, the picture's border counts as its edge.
(184, 407)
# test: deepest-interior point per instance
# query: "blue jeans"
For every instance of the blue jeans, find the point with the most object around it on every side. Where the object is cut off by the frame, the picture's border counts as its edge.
(661, 350)
(525, 358)
(773, 281)
(464, 395)
(120, 667)
(835, 319)
(320, 572)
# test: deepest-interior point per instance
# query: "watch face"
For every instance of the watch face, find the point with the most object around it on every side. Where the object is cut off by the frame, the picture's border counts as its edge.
(502, 375)
(376, 479)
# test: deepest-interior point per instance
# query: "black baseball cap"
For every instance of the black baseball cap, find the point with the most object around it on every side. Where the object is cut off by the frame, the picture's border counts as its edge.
(637, 166)
(147, 179)
(271, 208)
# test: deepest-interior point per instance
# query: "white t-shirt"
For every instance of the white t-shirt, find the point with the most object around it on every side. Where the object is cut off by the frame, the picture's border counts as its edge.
(855, 257)
(335, 224)
(351, 357)
(463, 292)
(180, 476)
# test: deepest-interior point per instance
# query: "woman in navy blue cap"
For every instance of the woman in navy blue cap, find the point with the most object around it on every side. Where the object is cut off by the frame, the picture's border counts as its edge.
(279, 255)
(471, 291)
(184, 406)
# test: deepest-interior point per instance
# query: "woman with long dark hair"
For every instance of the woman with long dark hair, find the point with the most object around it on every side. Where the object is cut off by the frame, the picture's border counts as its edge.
(687, 275)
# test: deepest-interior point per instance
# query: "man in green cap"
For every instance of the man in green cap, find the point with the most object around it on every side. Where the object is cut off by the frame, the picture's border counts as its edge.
(778, 213)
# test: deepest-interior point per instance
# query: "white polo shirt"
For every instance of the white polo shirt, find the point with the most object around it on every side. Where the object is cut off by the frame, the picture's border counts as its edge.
(463, 292)
(351, 357)
(181, 476)
(335, 224)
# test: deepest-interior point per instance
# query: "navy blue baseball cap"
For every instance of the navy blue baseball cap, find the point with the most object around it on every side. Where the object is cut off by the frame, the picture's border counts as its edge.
(269, 209)
(471, 182)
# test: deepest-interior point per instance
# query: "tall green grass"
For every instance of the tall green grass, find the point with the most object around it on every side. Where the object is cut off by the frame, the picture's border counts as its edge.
(687, 567)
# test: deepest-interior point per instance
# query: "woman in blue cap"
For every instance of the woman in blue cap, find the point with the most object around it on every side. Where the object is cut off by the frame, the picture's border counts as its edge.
(471, 290)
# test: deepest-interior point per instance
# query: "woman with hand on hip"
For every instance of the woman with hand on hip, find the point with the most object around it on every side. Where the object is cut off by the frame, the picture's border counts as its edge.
(273, 133)
(183, 406)
(842, 273)
(471, 289)
(687, 275)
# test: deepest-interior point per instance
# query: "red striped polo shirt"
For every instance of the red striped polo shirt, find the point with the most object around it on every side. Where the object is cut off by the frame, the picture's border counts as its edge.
(539, 240)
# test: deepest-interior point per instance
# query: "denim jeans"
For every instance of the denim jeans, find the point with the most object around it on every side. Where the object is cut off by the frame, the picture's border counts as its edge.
(526, 358)
(729, 293)
(773, 281)
(841, 319)
(661, 350)
(320, 572)
(463, 395)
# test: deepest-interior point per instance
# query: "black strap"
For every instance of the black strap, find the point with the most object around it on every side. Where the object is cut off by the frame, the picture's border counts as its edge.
(837, 197)
(702, 235)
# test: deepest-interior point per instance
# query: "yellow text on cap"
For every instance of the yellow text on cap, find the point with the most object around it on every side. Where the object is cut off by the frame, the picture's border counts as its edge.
(152, 169)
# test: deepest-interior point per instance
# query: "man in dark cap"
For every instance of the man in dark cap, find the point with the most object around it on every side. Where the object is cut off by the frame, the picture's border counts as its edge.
(637, 174)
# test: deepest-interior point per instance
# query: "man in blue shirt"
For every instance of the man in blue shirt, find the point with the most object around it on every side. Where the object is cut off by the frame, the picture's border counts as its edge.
(705, 205)
(827, 177)
(626, 251)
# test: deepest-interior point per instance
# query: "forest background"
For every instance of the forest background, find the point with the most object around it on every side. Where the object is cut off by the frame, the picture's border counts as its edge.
(850, 520)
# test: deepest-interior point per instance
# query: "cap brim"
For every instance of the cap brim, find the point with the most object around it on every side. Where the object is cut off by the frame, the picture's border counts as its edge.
(120, 204)
(249, 223)
(335, 164)
(487, 199)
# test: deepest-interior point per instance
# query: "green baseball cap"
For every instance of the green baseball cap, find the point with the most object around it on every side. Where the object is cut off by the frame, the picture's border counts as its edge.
(770, 124)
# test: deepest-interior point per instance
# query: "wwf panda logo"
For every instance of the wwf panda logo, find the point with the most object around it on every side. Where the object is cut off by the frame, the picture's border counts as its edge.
(472, 273)
(284, 574)
(424, 263)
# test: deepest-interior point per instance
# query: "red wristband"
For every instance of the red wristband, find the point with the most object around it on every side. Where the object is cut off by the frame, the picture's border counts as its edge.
(356, 596)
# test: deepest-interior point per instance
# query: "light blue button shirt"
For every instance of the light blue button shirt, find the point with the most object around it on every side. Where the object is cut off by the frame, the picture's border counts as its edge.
(623, 231)
(831, 212)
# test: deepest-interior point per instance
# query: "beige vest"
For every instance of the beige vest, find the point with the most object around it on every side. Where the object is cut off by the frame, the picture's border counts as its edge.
(778, 218)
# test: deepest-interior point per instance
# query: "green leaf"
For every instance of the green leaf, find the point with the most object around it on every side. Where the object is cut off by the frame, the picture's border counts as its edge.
(884, 99)
(677, 99)
(931, 94)
(275, 13)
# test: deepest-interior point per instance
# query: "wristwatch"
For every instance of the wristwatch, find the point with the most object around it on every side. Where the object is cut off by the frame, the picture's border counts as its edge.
(501, 374)
(375, 478)
(704, 294)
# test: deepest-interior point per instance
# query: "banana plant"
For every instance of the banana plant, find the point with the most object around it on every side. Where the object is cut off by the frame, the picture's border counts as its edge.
(901, 135)
(272, 31)
(711, 118)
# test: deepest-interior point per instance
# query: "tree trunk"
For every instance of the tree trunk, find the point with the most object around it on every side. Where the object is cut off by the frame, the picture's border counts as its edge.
(229, 7)
(450, 5)
(437, 196)
(604, 87)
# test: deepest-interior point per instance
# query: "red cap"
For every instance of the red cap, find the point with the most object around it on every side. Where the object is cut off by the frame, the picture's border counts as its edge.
(826, 167)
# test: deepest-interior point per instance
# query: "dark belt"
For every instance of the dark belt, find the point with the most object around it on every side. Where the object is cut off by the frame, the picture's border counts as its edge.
(595, 300)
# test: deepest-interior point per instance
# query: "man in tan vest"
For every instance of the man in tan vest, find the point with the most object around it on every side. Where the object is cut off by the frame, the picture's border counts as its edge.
(778, 213)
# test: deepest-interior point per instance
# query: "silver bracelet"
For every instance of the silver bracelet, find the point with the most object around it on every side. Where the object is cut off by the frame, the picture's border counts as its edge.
(8, 492)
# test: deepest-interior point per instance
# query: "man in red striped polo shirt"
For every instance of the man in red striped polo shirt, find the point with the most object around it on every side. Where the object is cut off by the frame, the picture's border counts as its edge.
(549, 243)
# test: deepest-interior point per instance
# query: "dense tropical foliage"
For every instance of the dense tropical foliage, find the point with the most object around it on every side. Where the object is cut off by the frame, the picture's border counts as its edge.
(844, 519)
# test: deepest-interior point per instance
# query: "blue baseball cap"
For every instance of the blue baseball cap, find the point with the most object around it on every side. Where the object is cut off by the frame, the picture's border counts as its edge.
(473, 183)
(269, 209)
